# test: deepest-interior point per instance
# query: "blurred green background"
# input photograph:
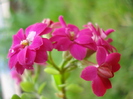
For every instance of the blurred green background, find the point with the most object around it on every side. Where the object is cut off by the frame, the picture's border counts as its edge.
(116, 14)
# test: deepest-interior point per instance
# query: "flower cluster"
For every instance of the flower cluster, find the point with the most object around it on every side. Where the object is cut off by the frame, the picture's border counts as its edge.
(30, 46)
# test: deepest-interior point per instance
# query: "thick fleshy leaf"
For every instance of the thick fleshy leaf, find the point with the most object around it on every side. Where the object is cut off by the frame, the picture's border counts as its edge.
(26, 56)
(89, 73)
(37, 27)
(98, 87)
(37, 42)
(12, 61)
(41, 56)
(79, 52)
(101, 55)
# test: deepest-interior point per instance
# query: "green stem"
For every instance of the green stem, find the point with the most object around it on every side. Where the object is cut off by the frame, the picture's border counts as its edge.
(52, 62)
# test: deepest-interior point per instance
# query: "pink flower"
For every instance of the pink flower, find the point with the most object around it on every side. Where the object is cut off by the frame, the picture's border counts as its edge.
(29, 47)
(99, 74)
(16, 76)
(69, 37)
(99, 36)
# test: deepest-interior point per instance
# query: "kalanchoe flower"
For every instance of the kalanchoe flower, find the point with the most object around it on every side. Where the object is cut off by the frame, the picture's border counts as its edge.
(70, 38)
(100, 36)
(99, 74)
(29, 47)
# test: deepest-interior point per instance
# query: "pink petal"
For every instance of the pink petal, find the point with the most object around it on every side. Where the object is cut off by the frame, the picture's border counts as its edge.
(113, 58)
(115, 67)
(85, 32)
(107, 32)
(73, 28)
(47, 45)
(19, 68)
(37, 42)
(47, 30)
(98, 87)
(38, 28)
(84, 39)
(89, 73)
(12, 61)
(41, 57)
(63, 23)
(29, 67)
(61, 43)
(18, 37)
(101, 55)
(106, 83)
(60, 32)
(26, 56)
(79, 52)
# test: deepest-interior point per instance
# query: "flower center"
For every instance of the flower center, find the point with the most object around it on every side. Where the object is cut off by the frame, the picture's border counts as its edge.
(24, 42)
(72, 35)
(105, 72)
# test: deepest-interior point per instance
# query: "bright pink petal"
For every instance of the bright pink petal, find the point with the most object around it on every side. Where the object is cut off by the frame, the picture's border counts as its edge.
(78, 51)
(106, 83)
(73, 28)
(101, 55)
(107, 32)
(26, 56)
(38, 28)
(41, 57)
(98, 87)
(60, 32)
(63, 23)
(37, 42)
(47, 45)
(113, 58)
(115, 67)
(18, 37)
(84, 39)
(19, 68)
(61, 43)
(12, 61)
(89, 73)
(47, 30)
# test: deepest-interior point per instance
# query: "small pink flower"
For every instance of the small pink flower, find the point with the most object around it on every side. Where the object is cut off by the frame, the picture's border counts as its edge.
(29, 47)
(69, 37)
(99, 36)
(99, 74)
(16, 76)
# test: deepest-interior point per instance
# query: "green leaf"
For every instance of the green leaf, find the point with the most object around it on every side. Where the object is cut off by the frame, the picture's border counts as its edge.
(27, 86)
(75, 88)
(42, 97)
(51, 71)
(41, 87)
(28, 96)
(15, 97)
(57, 81)
(25, 96)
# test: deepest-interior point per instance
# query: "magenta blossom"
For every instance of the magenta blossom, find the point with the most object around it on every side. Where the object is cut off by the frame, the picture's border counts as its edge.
(29, 47)
(69, 37)
(99, 74)
(100, 36)
(16, 76)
